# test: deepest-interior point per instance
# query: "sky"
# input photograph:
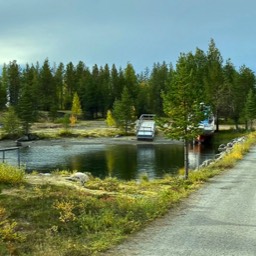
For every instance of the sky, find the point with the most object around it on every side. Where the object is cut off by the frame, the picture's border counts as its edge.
(140, 32)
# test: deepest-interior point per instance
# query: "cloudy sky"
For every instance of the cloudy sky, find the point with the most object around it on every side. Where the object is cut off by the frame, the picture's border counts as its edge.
(141, 32)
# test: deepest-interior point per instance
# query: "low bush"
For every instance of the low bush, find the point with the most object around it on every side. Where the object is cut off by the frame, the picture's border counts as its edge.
(10, 174)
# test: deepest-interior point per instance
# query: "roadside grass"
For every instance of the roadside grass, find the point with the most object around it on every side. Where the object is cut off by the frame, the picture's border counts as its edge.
(237, 153)
(47, 219)
(60, 220)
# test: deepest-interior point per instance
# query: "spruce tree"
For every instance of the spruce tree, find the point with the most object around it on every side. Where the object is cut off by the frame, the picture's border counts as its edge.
(182, 107)
(214, 80)
(11, 123)
(157, 82)
(3, 88)
(47, 88)
(59, 81)
(27, 108)
(70, 85)
(124, 112)
(250, 108)
(14, 82)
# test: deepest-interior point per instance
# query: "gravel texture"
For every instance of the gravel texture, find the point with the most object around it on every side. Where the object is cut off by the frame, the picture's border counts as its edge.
(219, 219)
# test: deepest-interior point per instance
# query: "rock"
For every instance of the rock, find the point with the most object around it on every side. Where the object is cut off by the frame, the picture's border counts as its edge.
(222, 148)
(230, 145)
(79, 176)
(28, 137)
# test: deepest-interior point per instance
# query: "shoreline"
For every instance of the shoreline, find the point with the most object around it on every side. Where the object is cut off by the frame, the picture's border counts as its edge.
(77, 141)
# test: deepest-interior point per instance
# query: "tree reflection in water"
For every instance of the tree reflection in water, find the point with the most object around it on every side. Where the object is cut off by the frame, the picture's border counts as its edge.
(122, 161)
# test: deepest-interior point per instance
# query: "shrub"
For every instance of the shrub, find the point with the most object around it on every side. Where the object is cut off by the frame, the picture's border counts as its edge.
(11, 174)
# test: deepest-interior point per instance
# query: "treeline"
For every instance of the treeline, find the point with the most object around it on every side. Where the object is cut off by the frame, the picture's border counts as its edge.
(230, 92)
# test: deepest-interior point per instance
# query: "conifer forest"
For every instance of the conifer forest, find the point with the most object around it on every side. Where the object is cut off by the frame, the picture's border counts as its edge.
(29, 89)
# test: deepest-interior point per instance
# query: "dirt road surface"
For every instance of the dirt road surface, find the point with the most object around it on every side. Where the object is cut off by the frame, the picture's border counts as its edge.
(219, 219)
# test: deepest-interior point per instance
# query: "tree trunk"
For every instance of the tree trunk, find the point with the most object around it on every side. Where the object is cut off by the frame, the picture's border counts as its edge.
(217, 121)
(186, 160)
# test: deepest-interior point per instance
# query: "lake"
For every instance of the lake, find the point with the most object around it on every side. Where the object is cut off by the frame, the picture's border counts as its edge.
(124, 161)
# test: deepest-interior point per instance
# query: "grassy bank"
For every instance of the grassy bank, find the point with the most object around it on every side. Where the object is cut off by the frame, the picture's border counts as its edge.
(50, 219)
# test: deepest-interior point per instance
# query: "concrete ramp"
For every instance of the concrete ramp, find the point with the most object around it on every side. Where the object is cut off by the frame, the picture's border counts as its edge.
(145, 127)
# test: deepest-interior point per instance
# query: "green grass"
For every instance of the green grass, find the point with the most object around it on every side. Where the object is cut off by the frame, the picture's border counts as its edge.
(68, 221)
(57, 220)
(226, 136)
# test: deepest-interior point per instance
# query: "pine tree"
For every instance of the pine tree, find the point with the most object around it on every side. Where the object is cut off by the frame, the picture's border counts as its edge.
(59, 81)
(14, 82)
(117, 84)
(227, 105)
(104, 90)
(124, 112)
(47, 89)
(131, 82)
(244, 82)
(182, 107)
(70, 83)
(27, 106)
(3, 88)
(11, 123)
(250, 108)
(158, 81)
(214, 80)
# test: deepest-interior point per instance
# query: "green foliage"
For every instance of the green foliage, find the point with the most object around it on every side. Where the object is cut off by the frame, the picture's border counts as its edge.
(65, 122)
(70, 85)
(250, 108)
(11, 175)
(244, 81)
(47, 89)
(181, 104)
(26, 109)
(50, 88)
(182, 107)
(14, 82)
(158, 83)
(124, 112)
(131, 81)
(11, 123)
(3, 87)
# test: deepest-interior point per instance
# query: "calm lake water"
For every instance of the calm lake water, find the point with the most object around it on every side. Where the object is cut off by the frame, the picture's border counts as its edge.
(124, 161)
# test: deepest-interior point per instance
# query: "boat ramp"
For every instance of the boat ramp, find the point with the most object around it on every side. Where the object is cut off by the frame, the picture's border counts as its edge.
(145, 127)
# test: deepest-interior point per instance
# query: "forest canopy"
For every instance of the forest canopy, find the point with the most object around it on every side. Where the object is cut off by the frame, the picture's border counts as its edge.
(51, 88)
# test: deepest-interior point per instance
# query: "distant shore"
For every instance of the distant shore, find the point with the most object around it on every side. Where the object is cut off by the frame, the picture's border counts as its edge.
(159, 139)
(76, 141)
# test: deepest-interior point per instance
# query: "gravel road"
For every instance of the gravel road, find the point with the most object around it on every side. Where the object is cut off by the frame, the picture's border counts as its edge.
(219, 219)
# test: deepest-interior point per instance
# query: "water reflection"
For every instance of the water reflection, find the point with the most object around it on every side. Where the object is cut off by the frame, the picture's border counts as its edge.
(156, 160)
(122, 161)
(199, 153)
